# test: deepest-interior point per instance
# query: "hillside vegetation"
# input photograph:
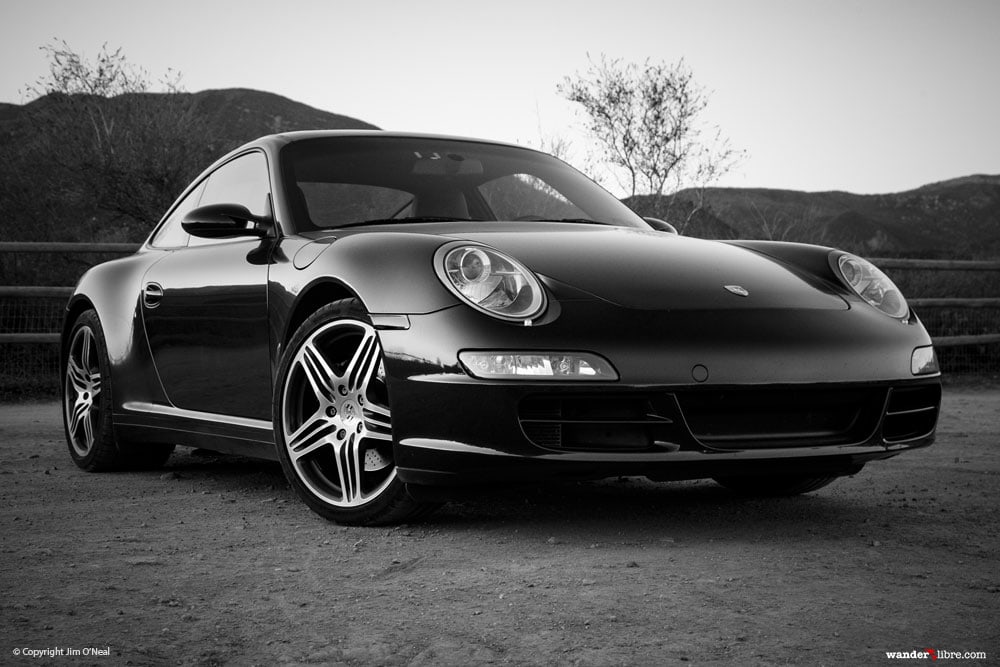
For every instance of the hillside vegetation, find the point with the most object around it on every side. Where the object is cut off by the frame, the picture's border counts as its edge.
(89, 168)
(958, 218)
(86, 168)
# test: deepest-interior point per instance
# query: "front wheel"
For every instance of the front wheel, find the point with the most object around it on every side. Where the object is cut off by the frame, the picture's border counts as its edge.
(333, 423)
(774, 485)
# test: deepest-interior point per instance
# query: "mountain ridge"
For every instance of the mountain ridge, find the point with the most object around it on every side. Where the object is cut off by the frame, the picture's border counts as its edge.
(957, 217)
(86, 167)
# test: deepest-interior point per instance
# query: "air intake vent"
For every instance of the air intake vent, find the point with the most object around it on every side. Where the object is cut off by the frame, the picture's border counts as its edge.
(600, 423)
(912, 413)
(784, 417)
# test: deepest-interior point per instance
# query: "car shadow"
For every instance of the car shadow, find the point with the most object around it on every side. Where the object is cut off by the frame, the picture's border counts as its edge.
(624, 506)
(637, 505)
(223, 472)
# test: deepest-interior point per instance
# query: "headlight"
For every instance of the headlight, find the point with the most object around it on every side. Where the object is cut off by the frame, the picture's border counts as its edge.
(872, 285)
(490, 281)
(923, 361)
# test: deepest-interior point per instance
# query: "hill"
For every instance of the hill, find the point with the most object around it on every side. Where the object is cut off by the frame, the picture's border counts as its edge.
(79, 167)
(955, 218)
(227, 117)
(233, 114)
(84, 168)
(238, 115)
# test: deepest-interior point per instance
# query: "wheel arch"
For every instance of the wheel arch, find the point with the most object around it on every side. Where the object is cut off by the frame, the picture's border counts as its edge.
(112, 291)
(78, 304)
(388, 272)
(316, 295)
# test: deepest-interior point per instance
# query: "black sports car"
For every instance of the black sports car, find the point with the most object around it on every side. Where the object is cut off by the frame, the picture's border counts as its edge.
(385, 314)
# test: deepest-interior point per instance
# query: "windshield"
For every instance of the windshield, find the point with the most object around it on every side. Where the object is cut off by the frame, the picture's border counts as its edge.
(345, 181)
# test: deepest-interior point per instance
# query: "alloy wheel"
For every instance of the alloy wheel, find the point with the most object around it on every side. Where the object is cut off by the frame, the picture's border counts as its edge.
(82, 391)
(336, 422)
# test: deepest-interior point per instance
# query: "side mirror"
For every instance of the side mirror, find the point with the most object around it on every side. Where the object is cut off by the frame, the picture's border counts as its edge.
(661, 225)
(224, 221)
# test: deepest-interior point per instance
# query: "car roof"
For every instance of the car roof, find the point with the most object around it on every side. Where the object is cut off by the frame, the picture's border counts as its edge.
(283, 138)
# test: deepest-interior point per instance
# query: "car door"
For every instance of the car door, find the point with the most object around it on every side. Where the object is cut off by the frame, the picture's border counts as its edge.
(205, 307)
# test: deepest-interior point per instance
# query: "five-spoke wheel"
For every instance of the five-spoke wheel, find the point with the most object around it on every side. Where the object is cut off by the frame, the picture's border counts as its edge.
(333, 423)
(82, 391)
(90, 432)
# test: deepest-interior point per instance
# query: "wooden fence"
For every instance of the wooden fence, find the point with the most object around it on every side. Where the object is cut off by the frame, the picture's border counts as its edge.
(885, 263)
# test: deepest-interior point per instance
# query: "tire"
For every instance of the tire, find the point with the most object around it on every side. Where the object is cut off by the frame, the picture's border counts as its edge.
(332, 422)
(86, 399)
(774, 485)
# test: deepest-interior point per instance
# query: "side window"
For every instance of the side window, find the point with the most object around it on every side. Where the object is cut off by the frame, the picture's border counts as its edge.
(241, 181)
(171, 234)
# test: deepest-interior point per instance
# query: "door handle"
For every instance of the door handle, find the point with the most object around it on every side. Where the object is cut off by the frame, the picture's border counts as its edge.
(152, 294)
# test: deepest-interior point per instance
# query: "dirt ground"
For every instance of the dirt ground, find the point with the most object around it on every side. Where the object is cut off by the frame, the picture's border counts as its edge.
(214, 561)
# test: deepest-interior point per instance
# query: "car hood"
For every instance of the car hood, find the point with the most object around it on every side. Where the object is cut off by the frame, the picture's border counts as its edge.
(655, 271)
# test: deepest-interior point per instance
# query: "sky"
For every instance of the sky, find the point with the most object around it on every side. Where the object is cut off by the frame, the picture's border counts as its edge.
(869, 96)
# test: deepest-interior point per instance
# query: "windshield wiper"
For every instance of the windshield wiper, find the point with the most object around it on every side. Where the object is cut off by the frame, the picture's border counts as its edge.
(393, 221)
(588, 221)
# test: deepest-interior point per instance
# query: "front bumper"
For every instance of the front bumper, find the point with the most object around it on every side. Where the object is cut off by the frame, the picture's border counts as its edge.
(787, 392)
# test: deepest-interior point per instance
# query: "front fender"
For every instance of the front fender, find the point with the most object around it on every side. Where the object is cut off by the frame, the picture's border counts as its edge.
(390, 272)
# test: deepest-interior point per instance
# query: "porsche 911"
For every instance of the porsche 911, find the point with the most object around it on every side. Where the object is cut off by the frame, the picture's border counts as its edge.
(393, 316)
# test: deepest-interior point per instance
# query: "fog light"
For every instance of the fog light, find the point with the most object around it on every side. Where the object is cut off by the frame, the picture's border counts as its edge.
(537, 365)
(924, 361)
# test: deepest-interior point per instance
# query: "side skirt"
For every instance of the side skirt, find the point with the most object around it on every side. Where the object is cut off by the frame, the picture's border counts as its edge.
(149, 422)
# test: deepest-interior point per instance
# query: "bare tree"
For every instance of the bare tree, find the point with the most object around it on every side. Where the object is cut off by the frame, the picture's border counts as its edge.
(119, 147)
(708, 162)
(560, 146)
(556, 145)
(110, 74)
(648, 120)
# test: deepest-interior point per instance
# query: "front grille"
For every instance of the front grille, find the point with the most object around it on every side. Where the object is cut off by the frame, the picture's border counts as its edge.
(912, 413)
(748, 418)
(596, 423)
(729, 419)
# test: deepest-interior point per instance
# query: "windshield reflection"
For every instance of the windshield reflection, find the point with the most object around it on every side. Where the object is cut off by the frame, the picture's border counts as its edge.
(349, 181)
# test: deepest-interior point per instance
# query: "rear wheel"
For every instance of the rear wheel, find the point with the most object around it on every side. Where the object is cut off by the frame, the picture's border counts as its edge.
(87, 406)
(774, 485)
(333, 423)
